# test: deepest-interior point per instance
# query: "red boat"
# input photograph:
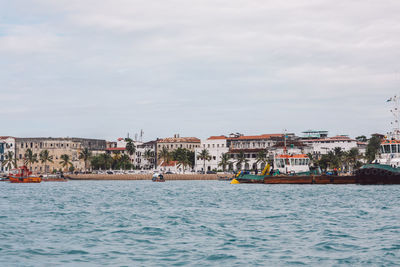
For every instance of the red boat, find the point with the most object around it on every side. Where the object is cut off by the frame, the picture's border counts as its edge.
(23, 175)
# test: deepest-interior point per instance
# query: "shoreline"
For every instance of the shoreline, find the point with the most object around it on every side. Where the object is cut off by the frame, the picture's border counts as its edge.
(137, 177)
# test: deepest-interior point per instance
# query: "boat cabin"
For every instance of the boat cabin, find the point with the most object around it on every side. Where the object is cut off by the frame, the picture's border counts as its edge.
(389, 153)
(291, 164)
(20, 172)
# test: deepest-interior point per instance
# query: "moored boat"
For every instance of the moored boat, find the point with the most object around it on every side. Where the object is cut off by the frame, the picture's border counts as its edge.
(23, 175)
(158, 178)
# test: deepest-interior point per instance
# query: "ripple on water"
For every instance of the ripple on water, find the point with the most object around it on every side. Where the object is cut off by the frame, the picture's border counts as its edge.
(198, 223)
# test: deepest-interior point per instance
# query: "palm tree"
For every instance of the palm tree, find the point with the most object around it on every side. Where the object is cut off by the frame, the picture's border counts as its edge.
(225, 160)
(241, 158)
(262, 157)
(204, 155)
(148, 155)
(10, 161)
(30, 158)
(124, 161)
(85, 155)
(45, 157)
(372, 148)
(351, 157)
(312, 159)
(65, 161)
(116, 156)
(130, 146)
(165, 155)
(105, 160)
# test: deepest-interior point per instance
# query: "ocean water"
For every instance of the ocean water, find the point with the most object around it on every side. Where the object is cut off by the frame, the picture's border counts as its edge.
(198, 223)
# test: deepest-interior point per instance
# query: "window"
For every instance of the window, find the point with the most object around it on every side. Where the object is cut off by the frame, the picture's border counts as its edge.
(386, 149)
(394, 148)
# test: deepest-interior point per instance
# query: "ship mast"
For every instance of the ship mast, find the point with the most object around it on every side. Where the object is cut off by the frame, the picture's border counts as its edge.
(396, 114)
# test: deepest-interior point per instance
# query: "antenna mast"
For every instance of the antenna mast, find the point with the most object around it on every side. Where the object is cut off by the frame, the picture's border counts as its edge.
(396, 114)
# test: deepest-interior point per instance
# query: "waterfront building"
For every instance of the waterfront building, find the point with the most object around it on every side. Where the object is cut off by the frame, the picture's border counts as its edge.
(324, 145)
(237, 144)
(250, 146)
(144, 156)
(216, 147)
(57, 147)
(172, 143)
(7, 144)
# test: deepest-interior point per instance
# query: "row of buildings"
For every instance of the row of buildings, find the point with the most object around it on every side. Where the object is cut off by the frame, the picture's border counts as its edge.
(147, 154)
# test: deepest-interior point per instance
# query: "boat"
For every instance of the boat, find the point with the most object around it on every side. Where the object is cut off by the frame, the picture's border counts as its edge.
(377, 173)
(292, 169)
(385, 169)
(23, 175)
(285, 165)
(158, 178)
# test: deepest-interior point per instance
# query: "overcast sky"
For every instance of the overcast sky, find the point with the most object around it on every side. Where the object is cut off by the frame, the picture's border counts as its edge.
(101, 69)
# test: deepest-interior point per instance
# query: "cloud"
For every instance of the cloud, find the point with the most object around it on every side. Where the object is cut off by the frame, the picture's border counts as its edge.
(201, 67)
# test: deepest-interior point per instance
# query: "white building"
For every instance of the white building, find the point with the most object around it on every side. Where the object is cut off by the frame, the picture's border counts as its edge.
(144, 156)
(216, 146)
(324, 145)
(251, 145)
(7, 144)
(234, 145)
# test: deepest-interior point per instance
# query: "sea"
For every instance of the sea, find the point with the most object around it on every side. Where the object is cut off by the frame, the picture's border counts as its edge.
(198, 223)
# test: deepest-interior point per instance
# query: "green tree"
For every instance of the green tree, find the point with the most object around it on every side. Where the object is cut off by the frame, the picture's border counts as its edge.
(352, 157)
(45, 157)
(373, 146)
(165, 155)
(241, 158)
(181, 156)
(262, 157)
(130, 146)
(204, 155)
(106, 161)
(85, 155)
(30, 158)
(125, 162)
(10, 161)
(225, 160)
(65, 161)
(312, 159)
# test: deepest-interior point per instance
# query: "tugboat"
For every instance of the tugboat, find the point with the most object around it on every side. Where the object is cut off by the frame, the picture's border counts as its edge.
(294, 166)
(386, 168)
(23, 175)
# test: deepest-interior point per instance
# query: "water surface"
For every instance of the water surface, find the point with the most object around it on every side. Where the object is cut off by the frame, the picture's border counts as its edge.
(198, 223)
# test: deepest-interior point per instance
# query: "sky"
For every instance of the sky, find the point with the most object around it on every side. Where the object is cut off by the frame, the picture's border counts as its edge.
(102, 69)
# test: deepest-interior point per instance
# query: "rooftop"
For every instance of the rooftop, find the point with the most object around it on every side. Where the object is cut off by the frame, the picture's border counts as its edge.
(221, 137)
(179, 140)
(256, 137)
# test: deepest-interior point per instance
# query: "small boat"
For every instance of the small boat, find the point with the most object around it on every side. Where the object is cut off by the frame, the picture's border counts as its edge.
(23, 175)
(158, 178)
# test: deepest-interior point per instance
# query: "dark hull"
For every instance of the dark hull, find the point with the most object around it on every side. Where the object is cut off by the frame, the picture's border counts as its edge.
(301, 180)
